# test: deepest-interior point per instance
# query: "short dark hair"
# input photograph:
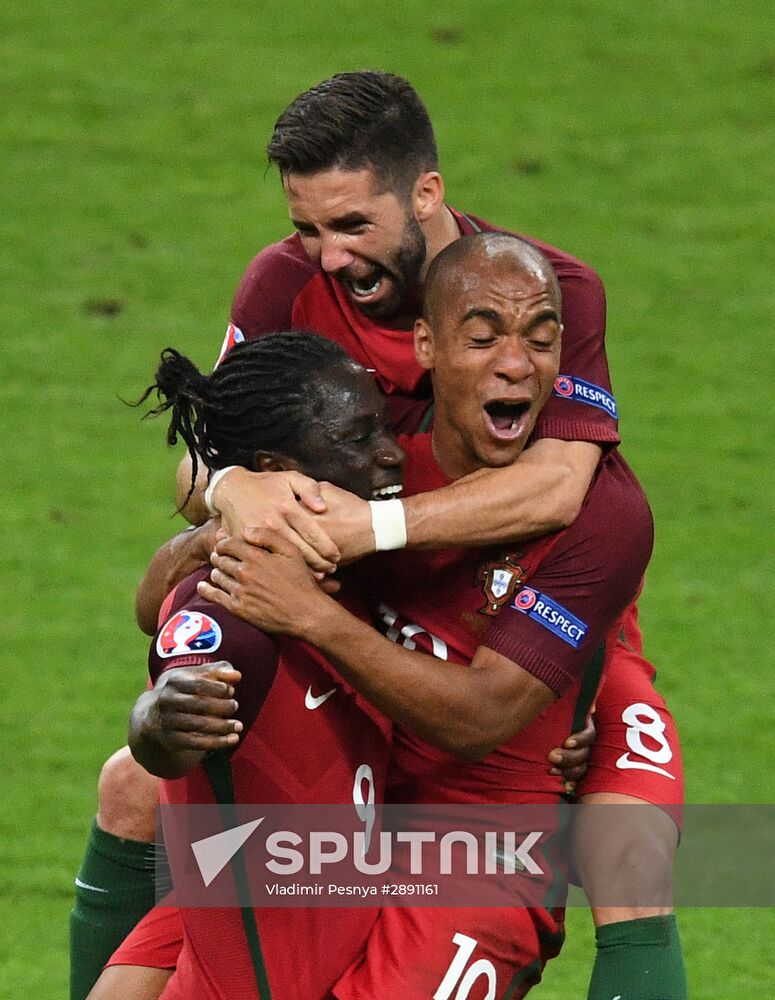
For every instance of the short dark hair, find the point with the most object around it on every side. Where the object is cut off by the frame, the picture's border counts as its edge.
(259, 398)
(356, 120)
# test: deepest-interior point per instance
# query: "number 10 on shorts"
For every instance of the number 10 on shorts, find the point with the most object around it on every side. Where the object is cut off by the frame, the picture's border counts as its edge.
(457, 972)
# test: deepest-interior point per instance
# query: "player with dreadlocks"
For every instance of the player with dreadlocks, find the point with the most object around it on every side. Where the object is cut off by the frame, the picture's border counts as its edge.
(258, 405)
(285, 402)
(481, 714)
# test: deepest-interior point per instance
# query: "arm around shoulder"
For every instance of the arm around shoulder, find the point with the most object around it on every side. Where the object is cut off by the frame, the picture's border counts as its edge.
(542, 492)
(173, 562)
(467, 710)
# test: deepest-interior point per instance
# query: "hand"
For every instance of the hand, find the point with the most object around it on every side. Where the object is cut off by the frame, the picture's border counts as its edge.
(283, 502)
(266, 583)
(571, 759)
(191, 708)
(347, 520)
(190, 550)
(173, 562)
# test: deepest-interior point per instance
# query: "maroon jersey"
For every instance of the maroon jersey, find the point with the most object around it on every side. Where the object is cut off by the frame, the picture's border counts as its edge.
(284, 289)
(548, 605)
(306, 735)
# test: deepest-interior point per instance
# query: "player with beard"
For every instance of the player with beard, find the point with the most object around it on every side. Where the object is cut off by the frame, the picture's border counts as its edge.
(358, 183)
(359, 180)
(490, 338)
(508, 308)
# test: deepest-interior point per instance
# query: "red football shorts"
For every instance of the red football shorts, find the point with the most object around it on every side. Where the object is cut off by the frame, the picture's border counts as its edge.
(154, 942)
(460, 953)
(636, 750)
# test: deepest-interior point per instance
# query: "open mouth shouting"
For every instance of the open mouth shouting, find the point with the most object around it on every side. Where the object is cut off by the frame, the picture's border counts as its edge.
(367, 286)
(506, 419)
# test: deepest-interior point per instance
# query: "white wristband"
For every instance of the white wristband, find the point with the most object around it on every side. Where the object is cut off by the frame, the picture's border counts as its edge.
(215, 478)
(388, 522)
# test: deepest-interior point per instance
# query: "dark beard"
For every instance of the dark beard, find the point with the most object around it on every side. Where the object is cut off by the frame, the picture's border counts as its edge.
(405, 271)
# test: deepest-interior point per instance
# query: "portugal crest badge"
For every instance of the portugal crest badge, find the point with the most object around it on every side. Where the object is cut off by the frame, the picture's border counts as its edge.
(499, 579)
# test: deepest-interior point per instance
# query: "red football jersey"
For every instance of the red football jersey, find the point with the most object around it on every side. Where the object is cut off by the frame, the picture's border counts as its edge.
(284, 289)
(306, 734)
(548, 605)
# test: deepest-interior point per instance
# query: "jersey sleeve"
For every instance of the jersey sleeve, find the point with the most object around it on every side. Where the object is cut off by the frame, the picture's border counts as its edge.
(196, 632)
(263, 302)
(560, 615)
(582, 406)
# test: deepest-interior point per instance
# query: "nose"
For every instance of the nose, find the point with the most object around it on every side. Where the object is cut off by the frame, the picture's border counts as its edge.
(389, 453)
(512, 361)
(334, 255)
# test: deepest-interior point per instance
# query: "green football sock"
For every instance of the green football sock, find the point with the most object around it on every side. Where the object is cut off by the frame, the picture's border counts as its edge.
(638, 960)
(113, 890)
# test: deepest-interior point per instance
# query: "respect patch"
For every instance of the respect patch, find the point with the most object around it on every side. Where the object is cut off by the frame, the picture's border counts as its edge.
(551, 615)
(579, 391)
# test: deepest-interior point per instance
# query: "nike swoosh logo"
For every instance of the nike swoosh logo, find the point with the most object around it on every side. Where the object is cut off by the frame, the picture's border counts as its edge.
(312, 701)
(625, 764)
(85, 885)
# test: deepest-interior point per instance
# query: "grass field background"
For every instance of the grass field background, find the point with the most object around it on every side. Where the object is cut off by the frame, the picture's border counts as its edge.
(639, 137)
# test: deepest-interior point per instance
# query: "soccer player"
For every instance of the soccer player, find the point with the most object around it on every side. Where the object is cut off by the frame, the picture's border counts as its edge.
(296, 734)
(491, 341)
(359, 167)
(510, 375)
(475, 435)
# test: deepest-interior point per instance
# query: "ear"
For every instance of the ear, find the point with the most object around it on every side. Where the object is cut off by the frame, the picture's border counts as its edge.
(424, 348)
(269, 461)
(427, 195)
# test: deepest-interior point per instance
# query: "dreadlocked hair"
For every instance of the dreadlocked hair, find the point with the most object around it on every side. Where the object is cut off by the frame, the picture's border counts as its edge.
(182, 388)
(257, 399)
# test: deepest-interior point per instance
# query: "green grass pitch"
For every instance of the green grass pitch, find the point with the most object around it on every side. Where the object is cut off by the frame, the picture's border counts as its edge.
(638, 136)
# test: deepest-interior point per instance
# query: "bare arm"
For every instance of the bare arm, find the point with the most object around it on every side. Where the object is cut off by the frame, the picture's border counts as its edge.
(192, 507)
(542, 492)
(188, 713)
(274, 591)
(430, 697)
(172, 563)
